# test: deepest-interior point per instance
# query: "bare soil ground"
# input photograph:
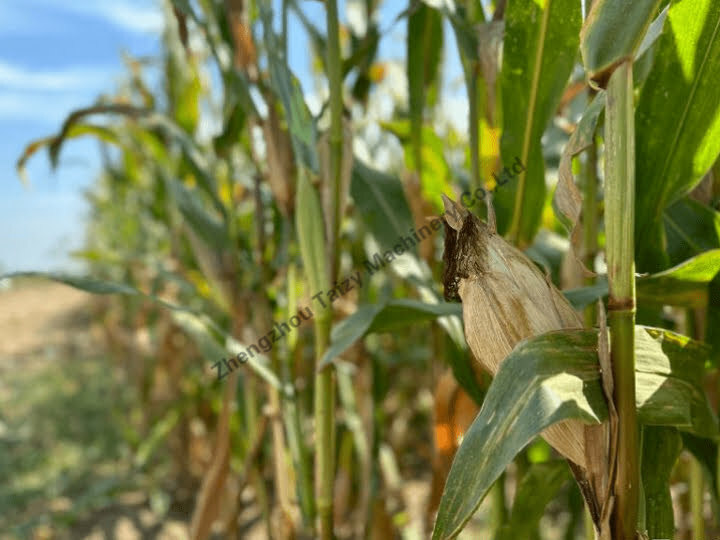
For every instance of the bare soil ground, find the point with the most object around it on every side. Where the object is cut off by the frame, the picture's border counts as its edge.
(64, 464)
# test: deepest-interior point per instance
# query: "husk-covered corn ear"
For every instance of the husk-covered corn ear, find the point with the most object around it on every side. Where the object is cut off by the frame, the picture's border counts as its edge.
(506, 299)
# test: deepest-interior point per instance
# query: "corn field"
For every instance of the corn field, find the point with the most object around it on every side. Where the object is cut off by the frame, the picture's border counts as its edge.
(343, 308)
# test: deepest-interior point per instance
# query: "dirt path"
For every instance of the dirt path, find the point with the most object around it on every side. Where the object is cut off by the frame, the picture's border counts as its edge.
(63, 455)
(34, 316)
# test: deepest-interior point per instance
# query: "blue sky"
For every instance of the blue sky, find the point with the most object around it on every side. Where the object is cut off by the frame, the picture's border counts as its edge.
(58, 55)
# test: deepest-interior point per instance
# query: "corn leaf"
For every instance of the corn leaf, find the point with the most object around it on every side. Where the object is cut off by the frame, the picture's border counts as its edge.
(311, 235)
(661, 446)
(687, 285)
(287, 87)
(102, 133)
(203, 223)
(691, 228)
(93, 285)
(555, 377)
(541, 40)
(539, 485)
(424, 51)
(382, 204)
(677, 121)
(384, 317)
(683, 285)
(550, 378)
(669, 382)
(436, 172)
(613, 33)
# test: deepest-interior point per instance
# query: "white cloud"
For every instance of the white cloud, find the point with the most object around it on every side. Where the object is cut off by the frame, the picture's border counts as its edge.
(134, 16)
(49, 109)
(72, 78)
(141, 16)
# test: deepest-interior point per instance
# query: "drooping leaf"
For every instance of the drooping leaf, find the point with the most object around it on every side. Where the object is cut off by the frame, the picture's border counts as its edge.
(539, 485)
(669, 382)
(383, 207)
(677, 121)
(384, 317)
(541, 40)
(287, 87)
(555, 377)
(683, 285)
(612, 33)
(584, 296)
(195, 157)
(691, 228)
(102, 133)
(217, 344)
(93, 285)
(661, 446)
(550, 378)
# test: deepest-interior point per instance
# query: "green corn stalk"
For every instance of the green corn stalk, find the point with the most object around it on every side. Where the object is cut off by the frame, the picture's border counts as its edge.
(619, 224)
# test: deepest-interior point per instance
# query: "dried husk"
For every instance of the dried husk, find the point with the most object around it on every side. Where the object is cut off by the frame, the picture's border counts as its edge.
(506, 298)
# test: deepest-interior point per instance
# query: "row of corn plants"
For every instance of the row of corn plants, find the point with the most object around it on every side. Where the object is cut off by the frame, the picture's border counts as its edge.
(549, 276)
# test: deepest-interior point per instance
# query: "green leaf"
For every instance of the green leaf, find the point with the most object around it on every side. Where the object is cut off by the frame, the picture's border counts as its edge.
(193, 154)
(538, 487)
(311, 234)
(385, 317)
(159, 432)
(287, 87)
(555, 377)
(686, 285)
(683, 285)
(691, 228)
(661, 447)
(550, 378)
(205, 225)
(436, 172)
(645, 55)
(612, 33)
(706, 452)
(424, 51)
(677, 121)
(382, 204)
(215, 344)
(669, 382)
(94, 286)
(541, 40)
(584, 296)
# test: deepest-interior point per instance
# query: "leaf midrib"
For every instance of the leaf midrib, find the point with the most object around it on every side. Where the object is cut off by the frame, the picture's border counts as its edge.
(532, 105)
(673, 147)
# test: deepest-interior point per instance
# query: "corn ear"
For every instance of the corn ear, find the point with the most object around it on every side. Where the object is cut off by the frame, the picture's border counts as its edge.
(506, 299)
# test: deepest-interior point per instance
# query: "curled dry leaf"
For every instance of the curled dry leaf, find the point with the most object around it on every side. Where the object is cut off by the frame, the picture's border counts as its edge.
(506, 298)
(567, 200)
